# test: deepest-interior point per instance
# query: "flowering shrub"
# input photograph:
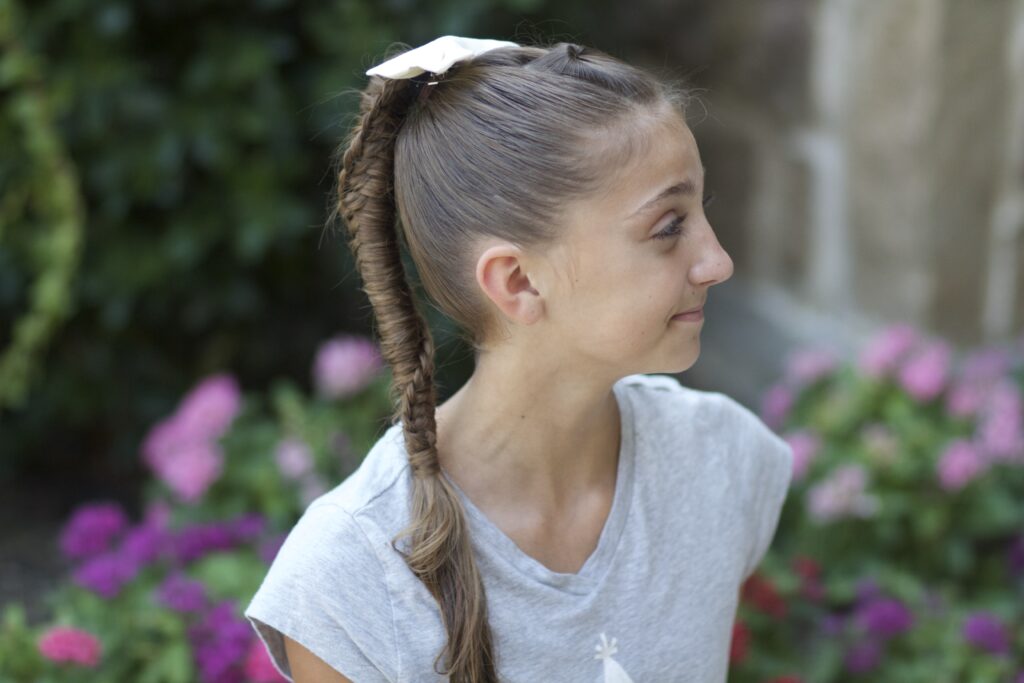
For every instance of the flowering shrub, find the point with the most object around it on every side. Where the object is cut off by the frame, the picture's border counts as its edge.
(900, 550)
(160, 599)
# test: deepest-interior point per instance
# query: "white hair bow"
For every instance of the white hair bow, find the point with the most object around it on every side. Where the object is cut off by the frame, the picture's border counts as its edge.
(435, 56)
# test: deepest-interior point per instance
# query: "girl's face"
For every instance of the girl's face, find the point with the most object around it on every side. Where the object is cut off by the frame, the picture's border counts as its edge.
(635, 257)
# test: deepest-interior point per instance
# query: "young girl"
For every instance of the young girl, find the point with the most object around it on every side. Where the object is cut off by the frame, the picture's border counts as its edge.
(564, 516)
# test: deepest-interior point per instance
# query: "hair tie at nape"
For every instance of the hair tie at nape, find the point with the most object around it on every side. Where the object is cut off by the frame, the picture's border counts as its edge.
(435, 57)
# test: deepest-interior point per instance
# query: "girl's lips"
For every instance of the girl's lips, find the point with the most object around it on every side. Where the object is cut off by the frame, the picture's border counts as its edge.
(692, 316)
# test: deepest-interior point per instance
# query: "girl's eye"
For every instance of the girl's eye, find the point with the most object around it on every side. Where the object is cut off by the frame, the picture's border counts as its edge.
(675, 227)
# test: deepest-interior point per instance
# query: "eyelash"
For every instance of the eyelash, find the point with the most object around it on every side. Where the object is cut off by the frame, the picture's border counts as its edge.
(674, 228)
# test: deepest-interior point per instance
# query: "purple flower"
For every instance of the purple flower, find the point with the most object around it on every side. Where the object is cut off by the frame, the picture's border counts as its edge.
(269, 547)
(294, 457)
(182, 594)
(863, 656)
(193, 542)
(91, 529)
(924, 374)
(776, 404)
(832, 624)
(868, 590)
(887, 348)
(885, 617)
(220, 642)
(805, 445)
(987, 632)
(806, 366)
(344, 365)
(143, 544)
(248, 527)
(207, 411)
(105, 574)
(958, 465)
(965, 399)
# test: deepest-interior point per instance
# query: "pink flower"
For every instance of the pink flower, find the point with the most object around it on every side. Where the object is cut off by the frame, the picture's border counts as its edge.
(258, 666)
(194, 467)
(344, 365)
(887, 348)
(805, 445)
(965, 399)
(1001, 428)
(69, 644)
(979, 373)
(207, 411)
(842, 494)
(806, 366)
(182, 448)
(293, 457)
(959, 464)
(776, 404)
(924, 374)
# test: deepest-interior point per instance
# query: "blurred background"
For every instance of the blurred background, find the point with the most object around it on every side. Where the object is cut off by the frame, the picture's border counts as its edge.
(163, 190)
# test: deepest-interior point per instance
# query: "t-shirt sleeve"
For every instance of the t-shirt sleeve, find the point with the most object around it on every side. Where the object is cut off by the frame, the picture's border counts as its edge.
(767, 472)
(327, 590)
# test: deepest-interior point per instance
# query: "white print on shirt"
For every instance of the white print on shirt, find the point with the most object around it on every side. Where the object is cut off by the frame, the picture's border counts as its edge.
(613, 671)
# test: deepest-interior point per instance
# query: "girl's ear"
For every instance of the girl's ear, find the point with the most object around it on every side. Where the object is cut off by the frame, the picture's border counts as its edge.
(500, 274)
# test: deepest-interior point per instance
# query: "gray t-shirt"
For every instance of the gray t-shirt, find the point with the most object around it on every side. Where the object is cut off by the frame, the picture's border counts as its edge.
(701, 483)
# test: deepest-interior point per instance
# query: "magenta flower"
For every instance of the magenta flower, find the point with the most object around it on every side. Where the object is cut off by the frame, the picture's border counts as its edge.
(182, 594)
(958, 465)
(105, 574)
(208, 410)
(776, 404)
(805, 445)
(986, 366)
(986, 632)
(294, 457)
(68, 644)
(887, 348)
(344, 365)
(884, 617)
(258, 666)
(806, 366)
(925, 373)
(91, 529)
(842, 494)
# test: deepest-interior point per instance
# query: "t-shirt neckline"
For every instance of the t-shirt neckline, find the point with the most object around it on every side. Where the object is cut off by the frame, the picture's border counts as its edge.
(483, 530)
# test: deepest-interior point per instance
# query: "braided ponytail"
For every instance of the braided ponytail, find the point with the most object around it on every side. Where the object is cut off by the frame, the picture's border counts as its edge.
(440, 554)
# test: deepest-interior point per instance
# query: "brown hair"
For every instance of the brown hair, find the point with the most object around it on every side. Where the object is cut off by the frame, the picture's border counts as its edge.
(501, 143)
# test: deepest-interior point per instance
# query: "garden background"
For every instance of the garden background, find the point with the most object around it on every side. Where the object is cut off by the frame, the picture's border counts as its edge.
(186, 357)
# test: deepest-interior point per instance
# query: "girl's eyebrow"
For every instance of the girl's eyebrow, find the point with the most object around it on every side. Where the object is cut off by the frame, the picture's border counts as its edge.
(686, 188)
